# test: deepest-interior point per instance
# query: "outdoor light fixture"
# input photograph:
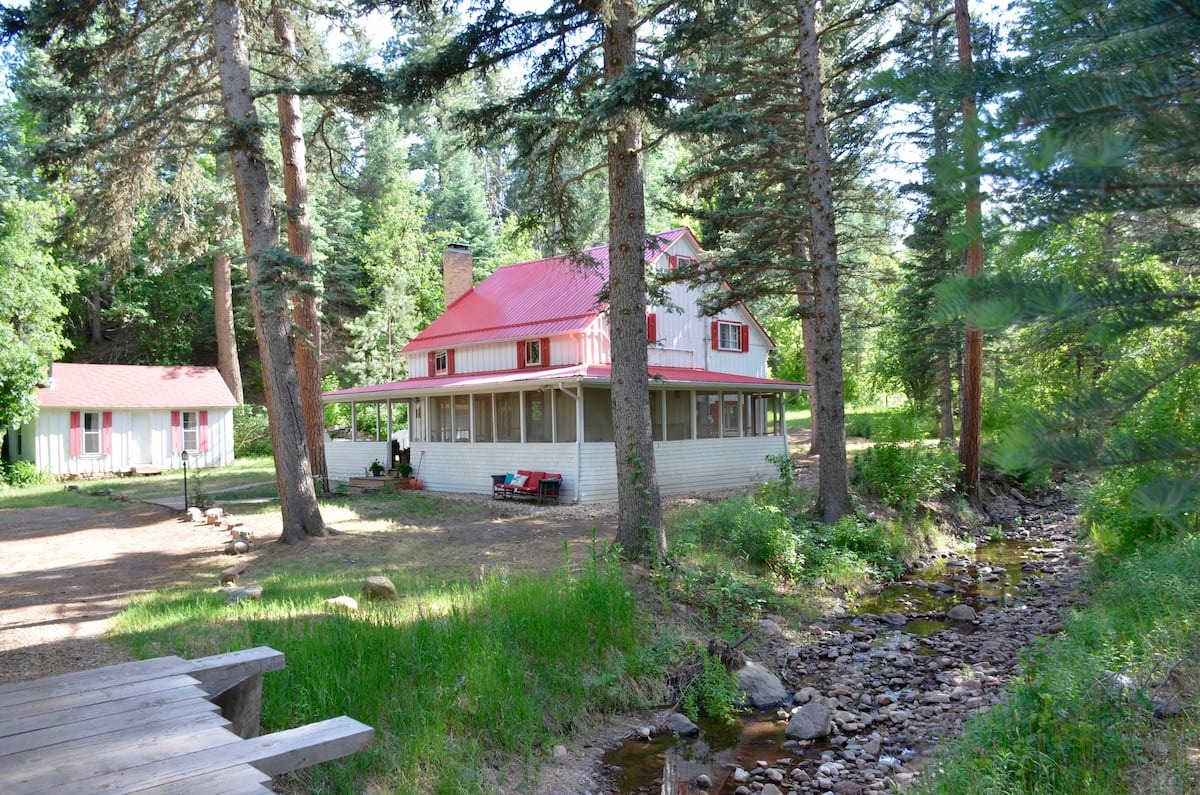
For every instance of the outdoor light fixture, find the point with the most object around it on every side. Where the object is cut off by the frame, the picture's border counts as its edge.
(183, 456)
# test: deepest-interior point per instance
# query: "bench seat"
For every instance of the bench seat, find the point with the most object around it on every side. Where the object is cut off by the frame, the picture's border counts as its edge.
(539, 486)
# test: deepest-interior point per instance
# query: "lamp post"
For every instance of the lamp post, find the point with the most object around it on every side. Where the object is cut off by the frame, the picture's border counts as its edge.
(183, 457)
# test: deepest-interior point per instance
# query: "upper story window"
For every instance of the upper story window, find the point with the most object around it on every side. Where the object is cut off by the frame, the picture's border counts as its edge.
(677, 260)
(730, 336)
(441, 363)
(533, 353)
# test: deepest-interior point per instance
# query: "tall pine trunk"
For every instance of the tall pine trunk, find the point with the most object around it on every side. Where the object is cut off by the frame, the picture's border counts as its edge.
(227, 354)
(269, 295)
(299, 236)
(640, 530)
(808, 332)
(833, 488)
(972, 386)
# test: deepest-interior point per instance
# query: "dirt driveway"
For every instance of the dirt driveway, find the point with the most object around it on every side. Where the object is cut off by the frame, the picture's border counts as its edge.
(64, 572)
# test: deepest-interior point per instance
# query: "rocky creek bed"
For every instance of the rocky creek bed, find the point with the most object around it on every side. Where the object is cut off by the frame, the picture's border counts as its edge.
(874, 688)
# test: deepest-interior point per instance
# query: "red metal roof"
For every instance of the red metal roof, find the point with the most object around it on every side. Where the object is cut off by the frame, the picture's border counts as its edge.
(127, 386)
(583, 373)
(541, 298)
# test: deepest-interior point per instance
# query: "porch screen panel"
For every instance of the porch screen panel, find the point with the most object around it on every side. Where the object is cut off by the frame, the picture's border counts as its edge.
(441, 427)
(708, 415)
(731, 414)
(774, 411)
(537, 417)
(508, 417)
(416, 421)
(597, 415)
(564, 417)
(679, 414)
(483, 418)
(656, 414)
(462, 418)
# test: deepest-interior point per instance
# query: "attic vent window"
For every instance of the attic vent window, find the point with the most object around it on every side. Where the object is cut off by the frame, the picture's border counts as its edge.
(533, 353)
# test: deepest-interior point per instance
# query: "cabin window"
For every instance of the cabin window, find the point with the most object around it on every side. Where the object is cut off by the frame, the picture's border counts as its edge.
(533, 353)
(729, 336)
(441, 363)
(91, 433)
(508, 417)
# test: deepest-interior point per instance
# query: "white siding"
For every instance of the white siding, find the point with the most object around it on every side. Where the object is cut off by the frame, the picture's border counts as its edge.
(346, 459)
(468, 468)
(52, 449)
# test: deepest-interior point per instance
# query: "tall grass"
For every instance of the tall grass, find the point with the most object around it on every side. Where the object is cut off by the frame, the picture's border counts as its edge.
(459, 682)
(1063, 729)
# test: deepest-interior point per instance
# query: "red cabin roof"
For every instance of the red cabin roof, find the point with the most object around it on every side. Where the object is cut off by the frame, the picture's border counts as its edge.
(541, 298)
(128, 386)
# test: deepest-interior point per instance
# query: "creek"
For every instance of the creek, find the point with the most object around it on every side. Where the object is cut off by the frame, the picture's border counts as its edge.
(897, 673)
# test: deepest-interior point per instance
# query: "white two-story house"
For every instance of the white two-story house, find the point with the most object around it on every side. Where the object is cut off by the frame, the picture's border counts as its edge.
(516, 374)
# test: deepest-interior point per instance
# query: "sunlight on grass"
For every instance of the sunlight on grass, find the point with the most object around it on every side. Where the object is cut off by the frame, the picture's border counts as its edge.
(455, 678)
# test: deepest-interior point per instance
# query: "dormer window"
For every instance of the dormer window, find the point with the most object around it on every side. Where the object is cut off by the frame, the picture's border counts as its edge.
(441, 363)
(728, 335)
(533, 353)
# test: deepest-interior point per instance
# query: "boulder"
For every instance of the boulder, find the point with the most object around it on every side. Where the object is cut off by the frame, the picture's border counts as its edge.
(231, 574)
(234, 596)
(961, 613)
(342, 604)
(379, 588)
(680, 724)
(762, 688)
(812, 721)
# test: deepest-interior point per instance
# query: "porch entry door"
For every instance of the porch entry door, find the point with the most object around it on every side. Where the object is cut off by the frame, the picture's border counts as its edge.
(141, 438)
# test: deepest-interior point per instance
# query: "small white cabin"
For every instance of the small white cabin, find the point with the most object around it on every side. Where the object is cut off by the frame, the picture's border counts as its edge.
(100, 419)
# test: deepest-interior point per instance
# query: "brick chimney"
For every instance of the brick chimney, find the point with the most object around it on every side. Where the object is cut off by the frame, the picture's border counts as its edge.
(458, 267)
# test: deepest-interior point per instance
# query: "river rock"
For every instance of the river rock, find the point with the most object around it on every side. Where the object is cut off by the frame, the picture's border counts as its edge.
(379, 588)
(894, 619)
(812, 721)
(770, 789)
(680, 724)
(961, 613)
(344, 604)
(234, 596)
(703, 781)
(762, 688)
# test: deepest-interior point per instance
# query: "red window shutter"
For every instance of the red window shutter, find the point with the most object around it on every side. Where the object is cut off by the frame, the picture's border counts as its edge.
(204, 431)
(716, 335)
(545, 346)
(746, 339)
(450, 362)
(432, 365)
(106, 433)
(651, 328)
(176, 432)
(672, 262)
(521, 355)
(76, 433)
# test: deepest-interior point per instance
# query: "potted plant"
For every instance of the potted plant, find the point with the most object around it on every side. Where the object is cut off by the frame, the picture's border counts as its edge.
(376, 468)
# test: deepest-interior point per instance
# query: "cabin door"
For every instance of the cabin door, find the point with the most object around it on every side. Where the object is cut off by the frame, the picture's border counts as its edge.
(141, 448)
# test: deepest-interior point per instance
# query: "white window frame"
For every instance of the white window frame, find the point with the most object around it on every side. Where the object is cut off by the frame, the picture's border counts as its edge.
(441, 363)
(722, 327)
(531, 347)
(91, 436)
(189, 422)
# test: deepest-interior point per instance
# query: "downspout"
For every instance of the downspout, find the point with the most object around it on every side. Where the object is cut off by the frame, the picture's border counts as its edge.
(578, 434)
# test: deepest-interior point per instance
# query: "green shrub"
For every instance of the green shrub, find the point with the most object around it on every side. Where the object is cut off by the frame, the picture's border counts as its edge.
(904, 475)
(19, 474)
(251, 434)
(758, 532)
(714, 692)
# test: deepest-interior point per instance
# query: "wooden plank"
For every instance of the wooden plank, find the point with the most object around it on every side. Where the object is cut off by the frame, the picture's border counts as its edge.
(273, 754)
(220, 672)
(77, 699)
(77, 729)
(80, 767)
(240, 780)
(63, 684)
(10, 726)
